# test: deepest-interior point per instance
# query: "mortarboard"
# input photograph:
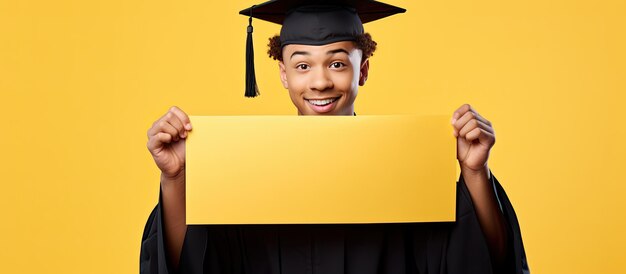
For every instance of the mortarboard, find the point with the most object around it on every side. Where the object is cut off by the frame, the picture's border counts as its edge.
(312, 22)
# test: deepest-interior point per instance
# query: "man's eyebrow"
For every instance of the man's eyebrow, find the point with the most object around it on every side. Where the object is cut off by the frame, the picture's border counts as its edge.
(331, 52)
(299, 53)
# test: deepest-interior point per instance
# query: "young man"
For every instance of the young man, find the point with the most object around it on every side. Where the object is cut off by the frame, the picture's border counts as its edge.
(323, 58)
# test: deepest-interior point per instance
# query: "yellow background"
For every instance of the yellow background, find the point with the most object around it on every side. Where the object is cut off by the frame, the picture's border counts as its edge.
(81, 82)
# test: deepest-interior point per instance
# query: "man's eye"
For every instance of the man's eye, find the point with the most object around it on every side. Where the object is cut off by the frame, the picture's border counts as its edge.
(337, 65)
(302, 66)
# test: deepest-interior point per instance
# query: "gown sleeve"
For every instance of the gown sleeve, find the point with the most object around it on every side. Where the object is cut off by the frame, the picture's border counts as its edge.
(467, 250)
(152, 259)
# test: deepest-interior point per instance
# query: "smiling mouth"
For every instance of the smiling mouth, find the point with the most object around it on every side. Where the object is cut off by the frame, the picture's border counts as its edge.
(322, 102)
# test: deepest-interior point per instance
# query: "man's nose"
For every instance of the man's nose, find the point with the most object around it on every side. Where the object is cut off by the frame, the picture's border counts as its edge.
(320, 80)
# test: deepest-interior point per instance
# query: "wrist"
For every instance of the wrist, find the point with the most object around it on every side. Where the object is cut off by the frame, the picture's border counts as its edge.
(173, 181)
(472, 175)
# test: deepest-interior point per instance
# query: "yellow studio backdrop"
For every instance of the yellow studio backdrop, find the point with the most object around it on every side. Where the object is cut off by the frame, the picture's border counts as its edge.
(82, 81)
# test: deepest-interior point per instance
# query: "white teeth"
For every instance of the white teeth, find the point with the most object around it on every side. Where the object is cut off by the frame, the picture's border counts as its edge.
(322, 102)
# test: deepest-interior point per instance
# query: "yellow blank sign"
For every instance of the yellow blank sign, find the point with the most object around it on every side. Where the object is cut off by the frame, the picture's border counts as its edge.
(320, 169)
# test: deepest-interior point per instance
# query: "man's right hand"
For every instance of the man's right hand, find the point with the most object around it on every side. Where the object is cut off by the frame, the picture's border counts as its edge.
(166, 143)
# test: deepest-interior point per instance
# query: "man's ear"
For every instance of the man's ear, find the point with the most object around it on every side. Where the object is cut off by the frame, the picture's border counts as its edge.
(283, 74)
(365, 67)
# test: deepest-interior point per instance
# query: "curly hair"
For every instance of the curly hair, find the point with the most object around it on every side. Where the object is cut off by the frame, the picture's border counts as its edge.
(364, 42)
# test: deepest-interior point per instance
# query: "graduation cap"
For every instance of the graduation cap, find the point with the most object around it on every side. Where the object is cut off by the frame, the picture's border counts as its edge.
(312, 22)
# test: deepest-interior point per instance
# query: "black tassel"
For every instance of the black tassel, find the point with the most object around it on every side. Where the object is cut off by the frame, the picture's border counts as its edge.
(251, 88)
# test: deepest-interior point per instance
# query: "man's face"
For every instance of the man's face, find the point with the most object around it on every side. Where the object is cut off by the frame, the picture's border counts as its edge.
(323, 80)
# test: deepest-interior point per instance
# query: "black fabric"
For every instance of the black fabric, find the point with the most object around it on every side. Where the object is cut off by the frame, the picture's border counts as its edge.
(455, 247)
(320, 25)
(275, 11)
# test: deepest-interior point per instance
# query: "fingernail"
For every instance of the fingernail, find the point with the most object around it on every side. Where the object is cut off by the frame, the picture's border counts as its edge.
(453, 120)
(188, 126)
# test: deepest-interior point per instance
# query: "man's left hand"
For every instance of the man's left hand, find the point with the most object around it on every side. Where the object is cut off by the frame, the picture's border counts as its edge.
(474, 139)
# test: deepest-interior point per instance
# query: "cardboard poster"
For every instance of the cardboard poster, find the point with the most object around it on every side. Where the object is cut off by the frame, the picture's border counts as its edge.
(320, 169)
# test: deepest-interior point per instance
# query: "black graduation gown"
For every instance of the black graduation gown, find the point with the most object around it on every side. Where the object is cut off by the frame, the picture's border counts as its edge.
(451, 247)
